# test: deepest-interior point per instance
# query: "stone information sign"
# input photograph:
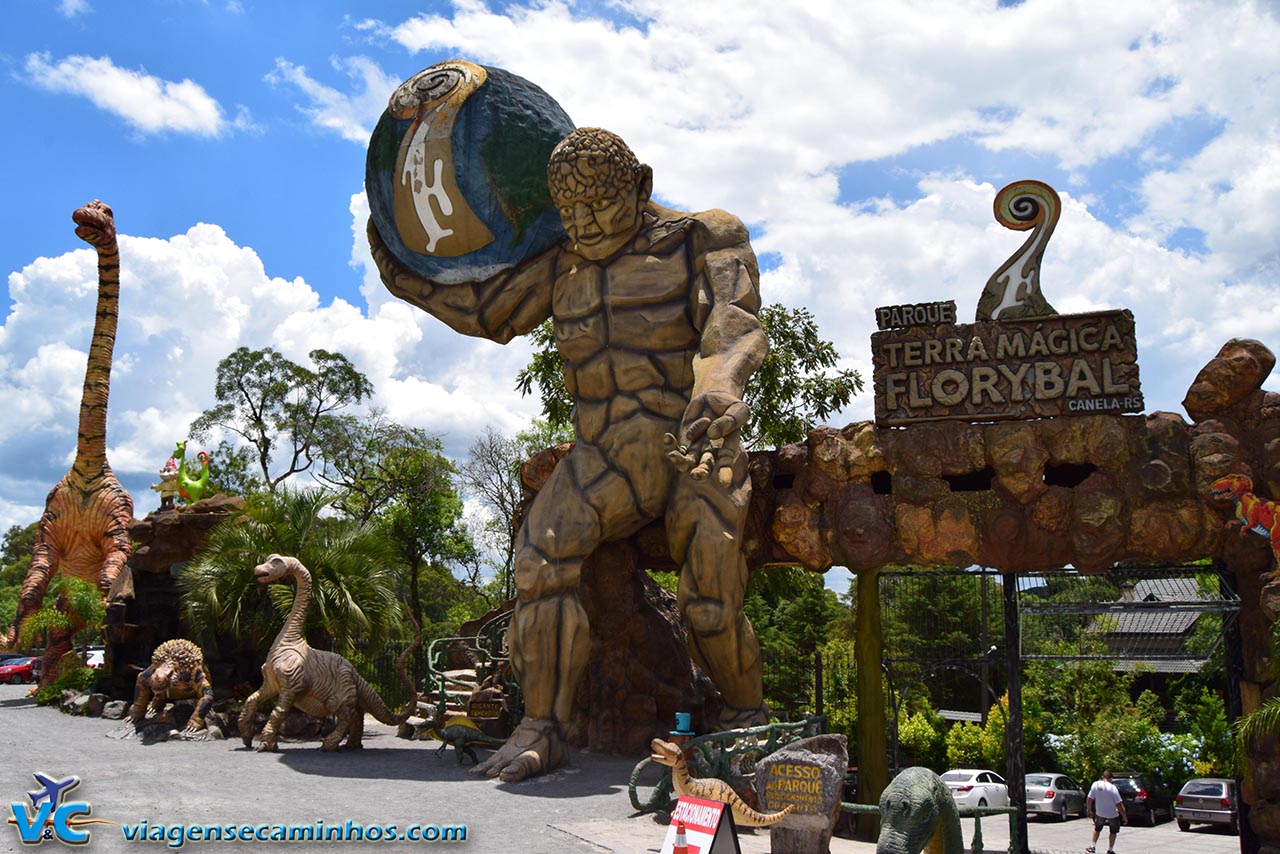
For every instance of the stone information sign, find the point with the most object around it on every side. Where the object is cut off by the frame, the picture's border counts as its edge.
(1040, 367)
(808, 775)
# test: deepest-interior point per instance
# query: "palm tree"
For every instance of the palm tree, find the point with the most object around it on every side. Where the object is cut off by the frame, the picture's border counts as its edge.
(354, 566)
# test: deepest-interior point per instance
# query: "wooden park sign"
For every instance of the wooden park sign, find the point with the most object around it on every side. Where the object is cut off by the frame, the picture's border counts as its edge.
(1030, 368)
(1020, 360)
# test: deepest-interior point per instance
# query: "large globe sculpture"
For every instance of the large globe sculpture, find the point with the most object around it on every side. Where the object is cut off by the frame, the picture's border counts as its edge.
(457, 171)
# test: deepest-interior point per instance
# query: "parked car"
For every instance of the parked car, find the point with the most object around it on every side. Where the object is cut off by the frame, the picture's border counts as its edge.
(15, 671)
(1208, 800)
(6, 656)
(1145, 798)
(1054, 795)
(973, 787)
(94, 656)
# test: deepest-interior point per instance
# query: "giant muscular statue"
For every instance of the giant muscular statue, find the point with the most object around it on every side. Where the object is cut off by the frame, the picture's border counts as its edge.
(655, 319)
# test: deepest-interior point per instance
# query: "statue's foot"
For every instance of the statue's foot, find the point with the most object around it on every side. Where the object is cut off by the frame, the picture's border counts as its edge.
(267, 746)
(246, 735)
(534, 748)
(734, 718)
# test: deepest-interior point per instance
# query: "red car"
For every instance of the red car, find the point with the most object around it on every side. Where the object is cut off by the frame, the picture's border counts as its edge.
(18, 670)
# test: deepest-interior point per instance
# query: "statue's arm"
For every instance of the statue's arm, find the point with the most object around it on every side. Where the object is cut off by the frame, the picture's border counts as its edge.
(499, 308)
(726, 304)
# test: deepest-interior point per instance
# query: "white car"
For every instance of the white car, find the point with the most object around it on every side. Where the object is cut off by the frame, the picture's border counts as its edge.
(972, 787)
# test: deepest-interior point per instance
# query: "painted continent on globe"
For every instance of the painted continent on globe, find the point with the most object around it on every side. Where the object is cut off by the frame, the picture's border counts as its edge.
(457, 171)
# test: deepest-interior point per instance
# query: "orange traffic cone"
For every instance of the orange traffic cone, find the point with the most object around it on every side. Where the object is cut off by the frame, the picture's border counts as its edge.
(681, 845)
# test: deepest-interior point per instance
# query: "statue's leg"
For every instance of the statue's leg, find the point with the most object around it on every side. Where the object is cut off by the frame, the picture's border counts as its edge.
(704, 527)
(44, 562)
(344, 716)
(271, 732)
(355, 733)
(203, 704)
(250, 710)
(549, 635)
(142, 696)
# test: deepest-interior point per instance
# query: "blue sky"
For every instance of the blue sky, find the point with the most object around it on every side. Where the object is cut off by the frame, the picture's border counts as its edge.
(862, 143)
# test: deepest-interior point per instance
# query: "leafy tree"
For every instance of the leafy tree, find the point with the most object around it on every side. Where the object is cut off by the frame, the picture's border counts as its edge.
(15, 559)
(281, 409)
(354, 568)
(231, 470)
(792, 390)
(491, 474)
(789, 394)
(792, 612)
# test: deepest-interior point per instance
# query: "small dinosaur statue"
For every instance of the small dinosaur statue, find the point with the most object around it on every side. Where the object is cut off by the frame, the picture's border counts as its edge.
(1253, 514)
(191, 488)
(318, 682)
(712, 789)
(176, 673)
(84, 531)
(461, 733)
(918, 814)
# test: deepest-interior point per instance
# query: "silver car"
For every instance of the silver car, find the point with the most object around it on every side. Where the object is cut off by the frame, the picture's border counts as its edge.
(1208, 800)
(1055, 795)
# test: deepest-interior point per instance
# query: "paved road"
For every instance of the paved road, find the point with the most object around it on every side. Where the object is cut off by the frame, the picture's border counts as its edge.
(582, 808)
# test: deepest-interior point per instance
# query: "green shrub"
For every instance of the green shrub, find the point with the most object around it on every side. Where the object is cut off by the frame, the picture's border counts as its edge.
(920, 737)
(964, 746)
(81, 679)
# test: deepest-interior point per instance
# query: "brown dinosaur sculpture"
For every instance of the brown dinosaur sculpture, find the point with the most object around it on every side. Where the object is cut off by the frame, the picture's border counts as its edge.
(710, 788)
(318, 682)
(176, 673)
(84, 531)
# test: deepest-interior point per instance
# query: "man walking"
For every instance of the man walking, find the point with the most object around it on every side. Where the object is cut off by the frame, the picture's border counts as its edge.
(1106, 808)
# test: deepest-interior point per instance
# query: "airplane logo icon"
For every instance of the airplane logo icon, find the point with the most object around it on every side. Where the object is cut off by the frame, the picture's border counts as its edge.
(53, 790)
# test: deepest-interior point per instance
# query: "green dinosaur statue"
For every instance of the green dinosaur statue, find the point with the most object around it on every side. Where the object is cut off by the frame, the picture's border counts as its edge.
(918, 814)
(191, 488)
(462, 734)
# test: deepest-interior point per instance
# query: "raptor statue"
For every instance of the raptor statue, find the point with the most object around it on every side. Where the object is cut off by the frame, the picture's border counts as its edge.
(177, 672)
(318, 682)
(84, 531)
(710, 788)
(1254, 514)
(918, 814)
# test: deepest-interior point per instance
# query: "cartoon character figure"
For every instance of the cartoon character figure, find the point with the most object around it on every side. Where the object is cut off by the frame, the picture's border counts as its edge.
(168, 485)
(1253, 514)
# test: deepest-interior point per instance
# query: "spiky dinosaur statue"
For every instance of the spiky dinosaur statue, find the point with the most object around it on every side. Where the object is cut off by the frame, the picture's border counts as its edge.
(84, 531)
(462, 734)
(918, 814)
(318, 682)
(710, 788)
(191, 488)
(1253, 514)
(176, 673)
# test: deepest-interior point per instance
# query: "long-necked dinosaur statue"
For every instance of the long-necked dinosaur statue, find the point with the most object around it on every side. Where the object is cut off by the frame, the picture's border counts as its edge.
(316, 681)
(84, 531)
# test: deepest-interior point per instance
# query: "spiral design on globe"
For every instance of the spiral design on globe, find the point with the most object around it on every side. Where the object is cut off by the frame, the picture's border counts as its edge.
(431, 85)
(1023, 205)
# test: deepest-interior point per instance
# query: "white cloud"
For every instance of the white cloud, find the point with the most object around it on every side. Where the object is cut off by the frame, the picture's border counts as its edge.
(185, 303)
(147, 103)
(350, 116)
(71, 8)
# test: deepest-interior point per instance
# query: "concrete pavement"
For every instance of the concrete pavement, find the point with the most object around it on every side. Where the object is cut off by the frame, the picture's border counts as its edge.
(581, 808)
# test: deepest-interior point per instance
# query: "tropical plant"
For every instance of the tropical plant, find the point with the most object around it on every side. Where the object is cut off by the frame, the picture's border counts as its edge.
(355, 570)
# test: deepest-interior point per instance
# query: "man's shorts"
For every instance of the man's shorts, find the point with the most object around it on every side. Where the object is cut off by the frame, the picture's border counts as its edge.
(1112, 823)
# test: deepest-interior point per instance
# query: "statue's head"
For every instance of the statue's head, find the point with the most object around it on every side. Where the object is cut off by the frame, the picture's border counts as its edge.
(600, 190)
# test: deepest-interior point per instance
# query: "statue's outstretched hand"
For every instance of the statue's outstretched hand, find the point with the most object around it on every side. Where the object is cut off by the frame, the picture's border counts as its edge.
(394, 274)
(709, 420)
